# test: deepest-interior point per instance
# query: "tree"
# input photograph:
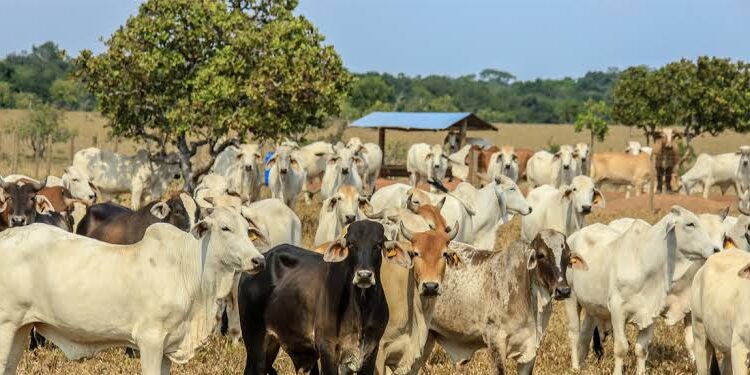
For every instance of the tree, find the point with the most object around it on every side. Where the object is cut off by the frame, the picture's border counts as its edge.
(496, 76)
(637, 100)
(595, 118)
(6, 95)
(193, 73)
(34, 72)
(42, 128)
(69, 94)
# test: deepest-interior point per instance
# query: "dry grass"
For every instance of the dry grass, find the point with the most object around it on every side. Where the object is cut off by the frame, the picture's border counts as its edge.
(668, 355)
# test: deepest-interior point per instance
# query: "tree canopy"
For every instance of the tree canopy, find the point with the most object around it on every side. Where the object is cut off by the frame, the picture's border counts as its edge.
(196, 72)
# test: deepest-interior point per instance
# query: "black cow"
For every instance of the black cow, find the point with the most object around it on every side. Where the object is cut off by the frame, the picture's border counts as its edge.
(328, 307)
(20, 203)
(116, 224)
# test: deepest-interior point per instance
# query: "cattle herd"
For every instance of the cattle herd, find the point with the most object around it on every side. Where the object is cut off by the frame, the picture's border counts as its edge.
(391, 270)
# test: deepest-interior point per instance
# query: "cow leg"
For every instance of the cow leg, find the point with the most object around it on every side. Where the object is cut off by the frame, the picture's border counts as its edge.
(328, 365)
(668, 179)
(527, 368)
(621, 341)
(166, 365)
(689, 341)
(586, 335)
(497, 345)
(12, 344)
(136, 194)
(707, 185)
(641, 348)
(659, 178)
(151, 347)
(704, 351)
(572, 310)
(234, 332)
(739, 356)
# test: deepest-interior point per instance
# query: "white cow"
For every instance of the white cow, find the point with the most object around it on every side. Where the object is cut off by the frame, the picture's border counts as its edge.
(158, 295)
(562, 209)
(286, 175)
(583, 151)
(457, 163)
(242, 168)
(545, 168)
(635, 148)
(145, 179)
(73, 179)
(454, 209)
(344, 168)
(211, 185)
(494, 202)
(503, 163)
(338, 211)
(710, 170)
(425, 162)
(742, 175)
(372, 156)
(313, 158)
(720, 312)
(629, 278)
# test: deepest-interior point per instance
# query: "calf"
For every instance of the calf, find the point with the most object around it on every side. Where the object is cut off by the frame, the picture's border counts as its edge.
(635, 148)
(329, 308)
(629, 278)
(501, 300)
(241, 167)
(562, 209)
(286, 176)
(124, 227)
(583, 151)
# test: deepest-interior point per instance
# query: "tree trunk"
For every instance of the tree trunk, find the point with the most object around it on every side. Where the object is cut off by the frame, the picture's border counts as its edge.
(185, 164)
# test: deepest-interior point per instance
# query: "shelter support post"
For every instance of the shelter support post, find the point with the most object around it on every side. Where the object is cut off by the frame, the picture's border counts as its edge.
(462, 133)
(381, 143)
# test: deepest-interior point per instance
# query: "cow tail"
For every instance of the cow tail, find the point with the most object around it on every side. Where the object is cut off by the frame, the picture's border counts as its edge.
(714, 370)
(597, 344)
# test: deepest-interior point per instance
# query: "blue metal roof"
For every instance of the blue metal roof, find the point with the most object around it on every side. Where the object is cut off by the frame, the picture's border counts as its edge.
(421, 121)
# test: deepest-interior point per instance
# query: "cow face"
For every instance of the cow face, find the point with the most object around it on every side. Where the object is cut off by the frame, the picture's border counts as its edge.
(549, 256)
(744, 165)
(355, 144)
(437, 162)
(430, 255)
(506, 162)
(283, 160)
(566, 156)
(362, 247)
(346, 161)
(249, 158)
(583, 195)
(229, 241)
(347, 204)
(582, 150)
(634, 148)
(510, 198)
(169, 168)
(666, 137)
(691, 238)
(20, 202)
(79, 185)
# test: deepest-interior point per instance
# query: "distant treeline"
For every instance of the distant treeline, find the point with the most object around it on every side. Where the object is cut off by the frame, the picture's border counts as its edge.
(494, 95)
(41, 75)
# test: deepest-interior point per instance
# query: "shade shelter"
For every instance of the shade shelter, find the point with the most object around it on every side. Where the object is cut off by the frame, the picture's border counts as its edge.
(459, 122)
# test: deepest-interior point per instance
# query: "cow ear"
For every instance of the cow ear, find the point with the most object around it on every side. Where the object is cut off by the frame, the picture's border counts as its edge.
(336, 252)
(294, 162)
(359, 162)
(598, 198)
(331, 203)
(744, 272)
(362, 149)
(577, 263)
(723, 213)
(256, 236)
(43, 205)
(452, 259)
(567, 191)
(440, 203)
(160, 210)
(3, 204)
(670, 228)
(531, 259)
(396, 253)
(728, 243)
(364, 204)
(199, 229)
(556, 156)
(239, 156)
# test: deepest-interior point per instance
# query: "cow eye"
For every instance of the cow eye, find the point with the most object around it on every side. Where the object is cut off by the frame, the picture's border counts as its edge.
(575, 189)
(512, 189)
(226, 229)
(691, 225)
(76, 180)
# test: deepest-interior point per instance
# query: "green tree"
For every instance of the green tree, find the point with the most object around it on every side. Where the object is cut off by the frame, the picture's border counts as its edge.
(33, 72)
(192, 73)
(42, 128)
(69, 94)
(595, 118)
(496, 76)
(6, 95)
(637, 100)
(25, 100)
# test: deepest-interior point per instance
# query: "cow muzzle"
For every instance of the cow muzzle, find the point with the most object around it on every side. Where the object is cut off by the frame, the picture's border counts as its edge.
(430, 289)
(248, 168)
(345, 171)
(507, 166)
(17, 221)
(283, 171)
(561, 292)
(586, 209)
(566, 166)
(348, 219)
(176, 176)
(364, 279)
(257, 265)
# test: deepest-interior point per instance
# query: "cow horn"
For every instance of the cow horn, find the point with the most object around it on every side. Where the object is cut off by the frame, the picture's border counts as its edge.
(405, 232)
(742, 211)
(410, 205)
(454, 231)
(39, 185)
(375, 216)
(5, 185)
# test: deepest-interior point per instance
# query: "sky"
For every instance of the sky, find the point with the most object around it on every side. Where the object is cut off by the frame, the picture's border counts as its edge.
(529, 38)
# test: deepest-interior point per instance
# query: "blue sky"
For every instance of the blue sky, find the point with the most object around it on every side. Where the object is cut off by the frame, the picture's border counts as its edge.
(529, 38)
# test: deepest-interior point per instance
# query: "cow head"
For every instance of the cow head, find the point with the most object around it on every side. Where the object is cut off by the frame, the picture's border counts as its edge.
(79, 185)
(509, 197)
(362, 247)
(566, 156)
(283, 160)
(20, 202)
(180, 210)
(582, 150)
(549, 257)
(691, 238)
(583, 195)
(437, 162)
(355, 144)
(744, 164)
(346, 162)
(249, 158)
(229, 241)
(430, 255)
(666, 136)
(347, 205)
(167, 166)
(634, 148)
(739, 234)
(506, 162)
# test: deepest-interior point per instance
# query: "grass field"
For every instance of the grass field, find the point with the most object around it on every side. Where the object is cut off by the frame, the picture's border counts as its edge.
(218, 357)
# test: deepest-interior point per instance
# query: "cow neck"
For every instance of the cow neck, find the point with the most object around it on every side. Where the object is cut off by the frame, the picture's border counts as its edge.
(661, 258)
(213, 282)
(540, 300)
(489, 213)
(575, 220)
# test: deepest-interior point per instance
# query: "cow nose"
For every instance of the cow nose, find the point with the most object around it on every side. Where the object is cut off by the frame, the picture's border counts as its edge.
(586, 209)
(345, 171)
(562, 292)
(437, 166)
(744, 162)
(92, 197)
(259, 263)
(716, 249)
(17, 220)
(364, 274)
(349, 219)
(176, 176)
(283, 171)
(430, 288)
(248, 168)
(507, 166)
(566, 166)
(530, 209)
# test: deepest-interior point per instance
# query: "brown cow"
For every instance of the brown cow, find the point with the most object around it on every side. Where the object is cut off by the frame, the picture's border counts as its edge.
(666, 157)
(523, 154)
(617, 168)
